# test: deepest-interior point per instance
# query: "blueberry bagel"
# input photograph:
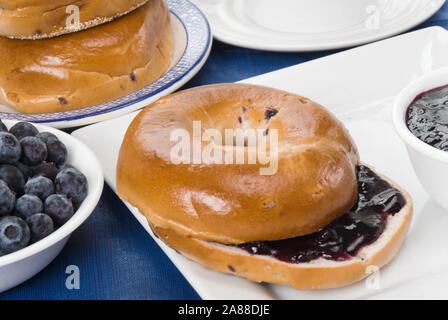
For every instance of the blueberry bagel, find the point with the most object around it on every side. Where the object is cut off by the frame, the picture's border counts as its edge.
(318, 222)
(89, 67)
(39, 19)
(315, 182)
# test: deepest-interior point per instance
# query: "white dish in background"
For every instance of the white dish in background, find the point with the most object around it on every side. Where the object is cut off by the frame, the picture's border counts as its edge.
(359, 86)
(192, 44)
(233, 22)
(21, 265)
(304, 16)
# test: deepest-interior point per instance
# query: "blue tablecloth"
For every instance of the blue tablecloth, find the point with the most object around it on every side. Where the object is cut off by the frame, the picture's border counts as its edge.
(116, 257)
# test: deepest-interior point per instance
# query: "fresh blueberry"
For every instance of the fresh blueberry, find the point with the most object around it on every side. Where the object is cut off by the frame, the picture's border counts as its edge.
(39, 186)
(3, 127)
(73, 184)
(7, 199)
(23, 129)
(26, 170)
(40, 226)
(46, 169)
(14, 234)
(10, 148)
(47, 137)
(13, 177)
(27, 205)
(59, 208)
(34, 151)
(66, 166)
(57, 152)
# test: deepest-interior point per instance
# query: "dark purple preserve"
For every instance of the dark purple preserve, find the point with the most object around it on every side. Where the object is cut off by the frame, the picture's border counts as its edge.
(345, 236)
(427, 117)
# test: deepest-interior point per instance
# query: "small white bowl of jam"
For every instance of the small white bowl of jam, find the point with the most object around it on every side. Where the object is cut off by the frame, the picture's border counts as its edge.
(420, 118)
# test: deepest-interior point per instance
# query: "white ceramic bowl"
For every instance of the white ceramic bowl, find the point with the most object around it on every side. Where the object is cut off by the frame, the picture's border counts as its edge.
(430, 163)
(21, 265)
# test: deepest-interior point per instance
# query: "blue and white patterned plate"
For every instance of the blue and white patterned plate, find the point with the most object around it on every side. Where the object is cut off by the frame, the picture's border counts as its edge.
(192, 38)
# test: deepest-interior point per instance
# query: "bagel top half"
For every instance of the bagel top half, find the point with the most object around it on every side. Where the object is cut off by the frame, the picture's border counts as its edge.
(314, 184)
(89, 67)
(40, 19)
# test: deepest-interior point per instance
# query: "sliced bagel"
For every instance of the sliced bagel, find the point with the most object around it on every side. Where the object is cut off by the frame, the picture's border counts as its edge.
(316, 274)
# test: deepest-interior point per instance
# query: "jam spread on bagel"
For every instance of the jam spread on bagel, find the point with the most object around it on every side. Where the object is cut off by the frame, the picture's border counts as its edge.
(344, 237)
(427, 117)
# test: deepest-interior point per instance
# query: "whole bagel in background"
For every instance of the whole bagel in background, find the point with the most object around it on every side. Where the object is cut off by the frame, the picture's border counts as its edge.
(39, 19)
(316, 180)
(89, 67)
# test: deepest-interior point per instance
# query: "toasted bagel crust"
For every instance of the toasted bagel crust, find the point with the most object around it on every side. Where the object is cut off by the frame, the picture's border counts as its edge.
(319, 274)
(315, 182)
(88, 67)
(40, 19)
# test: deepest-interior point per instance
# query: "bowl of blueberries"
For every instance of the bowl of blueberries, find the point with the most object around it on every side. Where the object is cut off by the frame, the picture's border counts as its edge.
(50, 183)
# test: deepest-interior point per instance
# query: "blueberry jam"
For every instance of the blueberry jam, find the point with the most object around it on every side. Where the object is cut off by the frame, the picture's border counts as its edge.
(427, 117)
(345, 236)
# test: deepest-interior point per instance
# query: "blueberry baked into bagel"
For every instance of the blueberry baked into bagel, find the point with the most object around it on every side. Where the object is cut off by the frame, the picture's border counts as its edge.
(319, 222)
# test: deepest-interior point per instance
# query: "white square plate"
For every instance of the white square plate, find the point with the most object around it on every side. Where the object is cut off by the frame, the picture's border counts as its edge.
(359, 86)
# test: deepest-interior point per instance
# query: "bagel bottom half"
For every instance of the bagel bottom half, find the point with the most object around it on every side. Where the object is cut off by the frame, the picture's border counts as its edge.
(314, 275)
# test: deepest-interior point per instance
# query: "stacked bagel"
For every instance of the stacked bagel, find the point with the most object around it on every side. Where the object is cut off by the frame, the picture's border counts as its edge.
(60, 55)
